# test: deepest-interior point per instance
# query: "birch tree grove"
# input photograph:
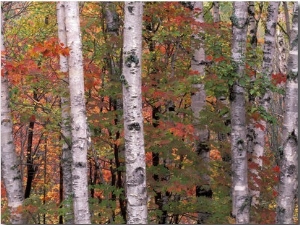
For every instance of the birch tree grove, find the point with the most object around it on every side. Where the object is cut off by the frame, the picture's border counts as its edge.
(136, 192)
(165, 112)
(240, 193)
(66, 160)
(9, 163)
(80, 142)
(288, 183)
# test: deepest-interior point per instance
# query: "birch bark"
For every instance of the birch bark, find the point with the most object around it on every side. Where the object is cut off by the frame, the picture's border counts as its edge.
(288, 183)
(11, 174)
(267, 70)
(65, 114)
(198, 101)
(79, 129)
(240, 195)
(136, 192)
(199, 95)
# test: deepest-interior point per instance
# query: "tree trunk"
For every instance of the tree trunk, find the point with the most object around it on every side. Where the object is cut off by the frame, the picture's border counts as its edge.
(288, 183)
(253, 25)
(216, 12)
(11, 174)
(136, 191)
(267, 70)
(197, 104)
(80, 141)
(240, 195)
(66, 159)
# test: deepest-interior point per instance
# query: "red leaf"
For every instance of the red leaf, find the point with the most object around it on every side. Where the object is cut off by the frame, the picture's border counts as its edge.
(275, 193)
(276, 169)
(260, 126)
(278, 78)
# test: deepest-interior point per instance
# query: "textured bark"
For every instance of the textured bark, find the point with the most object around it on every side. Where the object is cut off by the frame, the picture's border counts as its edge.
(199, 95)
(66, 159)
(240, 195)
(197, 104)
(216, 12)
(136, 192)
(11, 174)
(253, 25)
(267, 70)
(287, 19)
(282, 53)
(288, 183)
(80, 141)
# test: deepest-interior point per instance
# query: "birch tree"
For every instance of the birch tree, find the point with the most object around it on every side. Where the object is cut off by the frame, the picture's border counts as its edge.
(79, 126)
(216, 12)
(252, 29)
(267, 69)
(11, 174)
(65, 114)
(240, 195)
(198, 101)
(288, 182)
(136, 192)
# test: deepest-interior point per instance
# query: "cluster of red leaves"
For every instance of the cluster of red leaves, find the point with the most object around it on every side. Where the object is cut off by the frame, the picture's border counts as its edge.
(278, 78)
(50, 48)
(178, 129)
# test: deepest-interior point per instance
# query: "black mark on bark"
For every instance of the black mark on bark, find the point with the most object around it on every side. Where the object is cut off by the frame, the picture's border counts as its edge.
(134, 126)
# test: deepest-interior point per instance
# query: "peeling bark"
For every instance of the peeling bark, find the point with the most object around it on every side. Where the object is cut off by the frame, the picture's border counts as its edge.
(288, 182)
(136, 190)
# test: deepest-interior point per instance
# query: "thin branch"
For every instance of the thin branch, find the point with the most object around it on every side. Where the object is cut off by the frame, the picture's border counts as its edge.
(283, 30)
(287, 18)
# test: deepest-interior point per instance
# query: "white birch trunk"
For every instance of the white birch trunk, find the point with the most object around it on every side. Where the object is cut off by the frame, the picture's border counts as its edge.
(216, 12)
(11, 174)
(198, 101)
(136, 190)
(65, 114)
(267, 70)
(288, 184)
(240, 195)
(199, 95)
(79, 129)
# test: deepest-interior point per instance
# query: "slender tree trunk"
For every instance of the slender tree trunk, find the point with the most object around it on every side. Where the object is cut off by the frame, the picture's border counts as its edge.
(112, 22)
(66, 159)
(136, 191)
(11, 174)
(253, 25)
(267, 70)
(288, 184)
(197, 104)
(29, 161)
(240, 195)
(80, 137)
(287, 19)
(216, 12)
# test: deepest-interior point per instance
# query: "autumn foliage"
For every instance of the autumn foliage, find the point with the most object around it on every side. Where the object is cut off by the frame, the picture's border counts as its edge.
(174, 169)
